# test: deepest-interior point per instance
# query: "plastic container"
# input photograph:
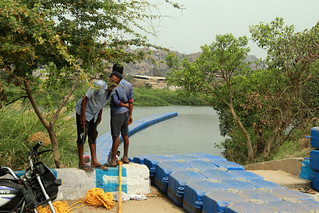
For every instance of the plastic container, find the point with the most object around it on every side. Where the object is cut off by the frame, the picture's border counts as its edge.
(237, 185)
(314, 138)
(285, 194)
(217, 201)
(201, 165)
(260, 195)
(315, 181)
(245, 175)
(265, 185)
(177, 182)
(194, 193)
(313, 204)
(218, 175)
(251, 207)
(290, 206)
(314, 160)
(208, 157)
(186, 157)
(163, 169)
(152, 160)
(305, 170)
(228, 165)
(140, 159)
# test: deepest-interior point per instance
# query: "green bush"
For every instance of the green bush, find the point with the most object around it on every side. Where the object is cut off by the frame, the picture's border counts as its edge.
(16, 128)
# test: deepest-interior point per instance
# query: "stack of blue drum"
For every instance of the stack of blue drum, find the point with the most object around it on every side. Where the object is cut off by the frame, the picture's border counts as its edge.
(314, 157)
(205, 183)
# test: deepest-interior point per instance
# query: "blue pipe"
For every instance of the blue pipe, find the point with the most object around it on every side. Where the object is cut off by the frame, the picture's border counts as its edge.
(104, 142)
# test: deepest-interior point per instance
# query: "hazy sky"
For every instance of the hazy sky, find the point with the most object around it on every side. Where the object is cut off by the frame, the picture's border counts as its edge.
(185, 31)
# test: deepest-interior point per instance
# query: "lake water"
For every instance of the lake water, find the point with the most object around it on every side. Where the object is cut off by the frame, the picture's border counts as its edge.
(194, 130)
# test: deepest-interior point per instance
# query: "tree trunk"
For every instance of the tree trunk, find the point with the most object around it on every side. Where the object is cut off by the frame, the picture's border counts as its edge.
(243, 130)
(55, 146)
(268, 145)
(48, 125)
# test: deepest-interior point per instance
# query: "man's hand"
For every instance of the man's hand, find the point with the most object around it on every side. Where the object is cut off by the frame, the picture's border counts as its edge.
(127, 105)
(83, 121)
(130, 120)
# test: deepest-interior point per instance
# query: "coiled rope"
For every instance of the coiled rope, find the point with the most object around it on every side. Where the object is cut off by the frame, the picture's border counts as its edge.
(93, 197)
(59, 206)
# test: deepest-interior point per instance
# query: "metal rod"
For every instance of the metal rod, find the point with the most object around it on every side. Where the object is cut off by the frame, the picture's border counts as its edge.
(45, 194)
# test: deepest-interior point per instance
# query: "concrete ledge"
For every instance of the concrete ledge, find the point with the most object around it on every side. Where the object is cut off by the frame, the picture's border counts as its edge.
(76, 182)
(282, 178)
(289, 165)
(284, 172)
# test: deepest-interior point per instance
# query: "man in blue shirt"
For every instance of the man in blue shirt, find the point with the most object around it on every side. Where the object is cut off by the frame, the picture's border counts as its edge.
(121, 104)
(88, 116)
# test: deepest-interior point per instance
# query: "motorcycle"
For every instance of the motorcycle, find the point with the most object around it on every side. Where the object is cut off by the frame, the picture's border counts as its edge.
(37, 186)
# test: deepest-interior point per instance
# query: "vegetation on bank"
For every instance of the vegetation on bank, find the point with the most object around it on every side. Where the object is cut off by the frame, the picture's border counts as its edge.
(20, 129)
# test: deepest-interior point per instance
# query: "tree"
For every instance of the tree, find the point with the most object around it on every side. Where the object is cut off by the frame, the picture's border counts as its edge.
(74, 40)
(216, 66)
(28, 40)
(258, 109)
(292, 59)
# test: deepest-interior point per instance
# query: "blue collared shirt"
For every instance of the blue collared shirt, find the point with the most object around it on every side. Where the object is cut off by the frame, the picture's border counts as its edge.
(122, 93)
(97, 99)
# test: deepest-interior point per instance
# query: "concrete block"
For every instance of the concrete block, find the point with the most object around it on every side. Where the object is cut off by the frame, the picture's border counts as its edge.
(75, 183)
(138, 181)
(109, 180)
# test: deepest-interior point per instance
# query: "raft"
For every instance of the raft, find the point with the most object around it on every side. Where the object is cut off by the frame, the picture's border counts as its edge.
(203, 183)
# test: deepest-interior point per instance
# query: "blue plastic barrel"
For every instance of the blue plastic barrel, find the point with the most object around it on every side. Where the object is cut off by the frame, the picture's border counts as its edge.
(314, 138)
(315, 181)
(305, 170)
(314, 160)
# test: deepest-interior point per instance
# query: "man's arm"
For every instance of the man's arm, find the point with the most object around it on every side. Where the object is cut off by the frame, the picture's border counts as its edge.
(115, 98)
(124, 105)
(83, 106)
(130, 101)
(99, 118)
(130, 119)
(117, 101)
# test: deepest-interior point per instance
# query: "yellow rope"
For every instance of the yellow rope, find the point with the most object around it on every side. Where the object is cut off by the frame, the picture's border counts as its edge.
(59, 206)
(93, 197)
(82, 201)
(97, 197)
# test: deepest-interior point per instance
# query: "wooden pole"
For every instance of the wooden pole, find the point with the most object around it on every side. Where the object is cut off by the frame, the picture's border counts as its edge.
(120, 186)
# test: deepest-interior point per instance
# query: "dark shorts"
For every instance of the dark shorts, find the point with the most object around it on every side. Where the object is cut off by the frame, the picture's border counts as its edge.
(119, 124)
(90, 131)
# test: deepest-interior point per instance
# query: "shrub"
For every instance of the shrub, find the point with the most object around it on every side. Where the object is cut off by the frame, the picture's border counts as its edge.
(16, 128)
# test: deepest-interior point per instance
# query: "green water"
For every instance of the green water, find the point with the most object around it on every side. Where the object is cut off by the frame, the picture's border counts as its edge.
(194, 130)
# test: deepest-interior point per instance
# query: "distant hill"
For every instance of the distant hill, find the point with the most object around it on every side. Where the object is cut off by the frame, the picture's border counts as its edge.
(157, 66)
